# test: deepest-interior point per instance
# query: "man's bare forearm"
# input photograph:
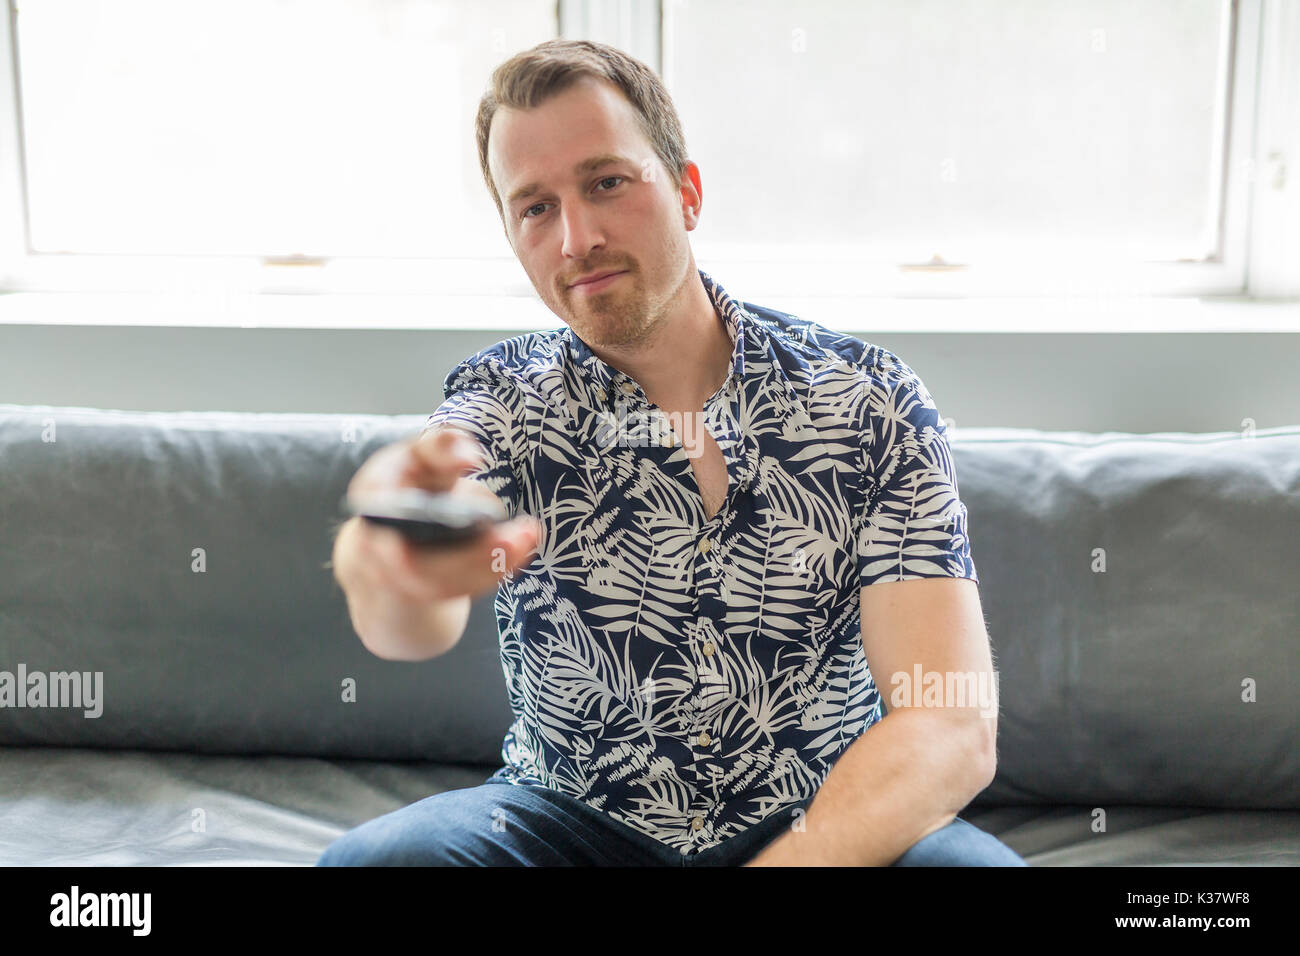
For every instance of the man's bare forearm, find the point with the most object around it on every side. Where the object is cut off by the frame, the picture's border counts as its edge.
(388, 626)
(905, 777)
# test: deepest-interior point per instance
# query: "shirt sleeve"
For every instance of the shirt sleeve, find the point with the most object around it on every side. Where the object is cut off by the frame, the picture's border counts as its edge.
(482, 411)
(913, 522)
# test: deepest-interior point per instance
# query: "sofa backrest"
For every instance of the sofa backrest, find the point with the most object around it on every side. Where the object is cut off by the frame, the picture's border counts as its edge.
(1141, 595)
(1170, 677)
(103, 529)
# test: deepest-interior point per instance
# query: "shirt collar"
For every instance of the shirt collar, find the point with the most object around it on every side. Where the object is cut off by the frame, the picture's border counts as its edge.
(609, 385)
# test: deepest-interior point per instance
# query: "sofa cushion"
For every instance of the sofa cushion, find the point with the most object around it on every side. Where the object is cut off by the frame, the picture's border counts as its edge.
(73, 807)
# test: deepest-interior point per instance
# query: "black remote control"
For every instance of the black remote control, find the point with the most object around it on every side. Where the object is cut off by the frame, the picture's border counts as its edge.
(424, 517)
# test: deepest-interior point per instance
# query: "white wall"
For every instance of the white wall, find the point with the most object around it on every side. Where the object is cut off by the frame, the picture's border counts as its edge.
(1087, 382)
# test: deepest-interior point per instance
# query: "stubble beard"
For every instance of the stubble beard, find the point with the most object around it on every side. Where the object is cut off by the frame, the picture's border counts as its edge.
(615, 319)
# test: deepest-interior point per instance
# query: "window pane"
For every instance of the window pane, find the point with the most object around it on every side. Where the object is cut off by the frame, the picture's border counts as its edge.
(984, 126)
(264, 127)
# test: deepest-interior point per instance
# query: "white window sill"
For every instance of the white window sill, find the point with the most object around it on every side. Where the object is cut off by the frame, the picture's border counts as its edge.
(521, 314)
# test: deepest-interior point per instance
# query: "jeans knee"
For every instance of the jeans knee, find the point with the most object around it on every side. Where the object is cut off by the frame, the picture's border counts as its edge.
(960, 844)
(367, 846)
(345, 851)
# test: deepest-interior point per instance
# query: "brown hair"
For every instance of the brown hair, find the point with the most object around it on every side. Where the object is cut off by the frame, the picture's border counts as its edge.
(527, 79)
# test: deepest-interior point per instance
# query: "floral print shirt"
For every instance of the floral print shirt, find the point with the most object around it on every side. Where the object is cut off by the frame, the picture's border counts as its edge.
(689, 675)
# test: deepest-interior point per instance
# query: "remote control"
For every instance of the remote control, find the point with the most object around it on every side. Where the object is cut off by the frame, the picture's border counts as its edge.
(424, 517)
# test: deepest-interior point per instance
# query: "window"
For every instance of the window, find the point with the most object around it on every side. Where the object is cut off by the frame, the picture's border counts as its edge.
(248, 127)
(938, 135)
(166, 135)
(934, 148)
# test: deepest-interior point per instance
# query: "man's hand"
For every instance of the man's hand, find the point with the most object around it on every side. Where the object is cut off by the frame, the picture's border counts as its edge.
(382, 561)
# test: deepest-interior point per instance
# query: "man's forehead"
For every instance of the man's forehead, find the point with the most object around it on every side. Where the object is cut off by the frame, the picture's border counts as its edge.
(602, 139)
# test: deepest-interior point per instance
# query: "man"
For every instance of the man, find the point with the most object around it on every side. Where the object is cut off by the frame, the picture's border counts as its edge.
(733, 512)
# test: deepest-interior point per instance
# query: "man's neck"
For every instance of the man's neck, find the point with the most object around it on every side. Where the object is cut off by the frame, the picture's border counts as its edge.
(687, 357)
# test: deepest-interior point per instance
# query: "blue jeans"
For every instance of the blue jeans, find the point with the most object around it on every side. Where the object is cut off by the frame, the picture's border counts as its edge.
(503, 824)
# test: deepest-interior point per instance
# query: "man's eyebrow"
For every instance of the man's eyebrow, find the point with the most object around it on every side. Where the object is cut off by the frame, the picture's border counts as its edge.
(589, 165)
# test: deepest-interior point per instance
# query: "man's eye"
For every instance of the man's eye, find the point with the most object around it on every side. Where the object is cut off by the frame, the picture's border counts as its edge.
(600, 182)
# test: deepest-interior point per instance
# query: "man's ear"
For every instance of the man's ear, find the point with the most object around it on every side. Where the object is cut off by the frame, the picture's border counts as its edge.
(692, 195)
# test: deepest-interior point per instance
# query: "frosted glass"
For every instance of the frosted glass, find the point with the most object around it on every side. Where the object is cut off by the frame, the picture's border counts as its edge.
(263, 127)
(955, 128)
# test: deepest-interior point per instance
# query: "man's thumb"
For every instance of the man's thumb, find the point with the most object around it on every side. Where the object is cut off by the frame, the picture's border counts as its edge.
(445, 448)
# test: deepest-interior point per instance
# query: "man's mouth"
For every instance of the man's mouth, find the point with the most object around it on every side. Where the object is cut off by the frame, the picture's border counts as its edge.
(598, 281)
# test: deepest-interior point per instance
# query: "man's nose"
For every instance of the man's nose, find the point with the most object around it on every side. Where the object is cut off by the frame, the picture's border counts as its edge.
(582, 230)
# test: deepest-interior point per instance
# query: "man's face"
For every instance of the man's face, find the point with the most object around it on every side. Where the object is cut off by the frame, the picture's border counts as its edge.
(626, 215)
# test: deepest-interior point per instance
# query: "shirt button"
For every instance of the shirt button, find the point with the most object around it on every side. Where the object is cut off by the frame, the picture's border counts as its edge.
(697, 823)
(600, 394)
(705, 740)
(709, 649)
(669, 440)
(629, 388)
(704, 546)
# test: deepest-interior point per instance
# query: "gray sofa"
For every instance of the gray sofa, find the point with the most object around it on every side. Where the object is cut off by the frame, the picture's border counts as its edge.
(1142, 593)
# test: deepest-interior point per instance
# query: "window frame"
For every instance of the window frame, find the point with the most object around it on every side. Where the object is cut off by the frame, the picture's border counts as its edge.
(1259, 109)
